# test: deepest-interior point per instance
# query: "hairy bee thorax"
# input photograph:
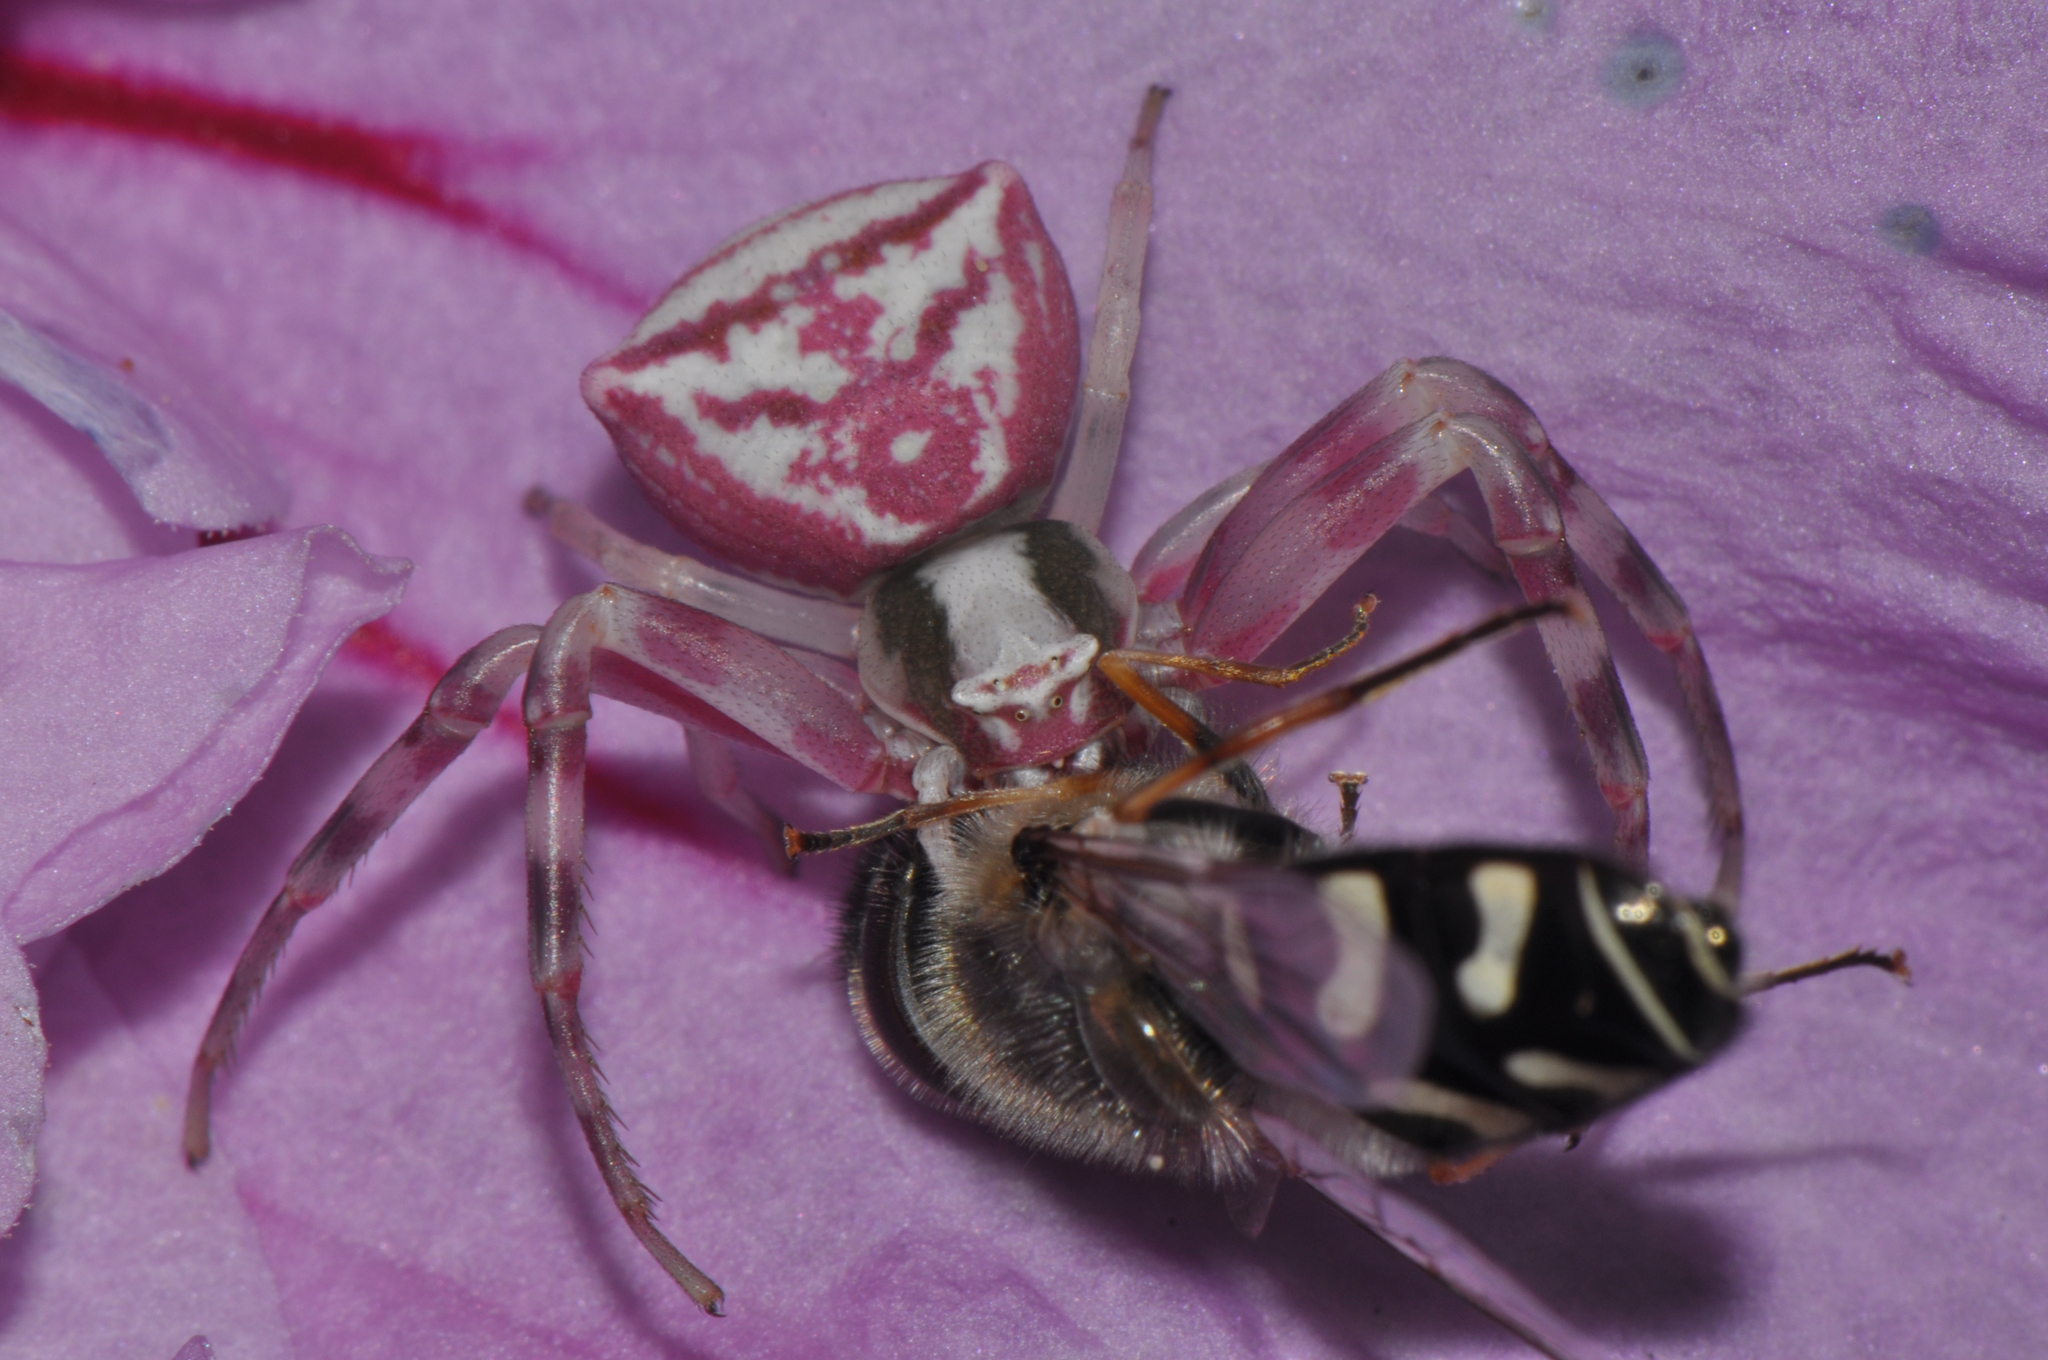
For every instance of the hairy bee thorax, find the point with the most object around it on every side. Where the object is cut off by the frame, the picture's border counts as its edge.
(984, 985)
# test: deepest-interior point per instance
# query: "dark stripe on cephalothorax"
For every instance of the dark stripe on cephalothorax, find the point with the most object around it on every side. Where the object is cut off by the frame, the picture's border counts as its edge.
(1065, 572)
(911, 626)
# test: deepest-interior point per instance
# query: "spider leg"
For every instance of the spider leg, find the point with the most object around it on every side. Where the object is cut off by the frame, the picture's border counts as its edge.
(1356, 474)
(717, 678)
(462, 705)
(1083, 488)
(780, 615)
(730, 682)
(1162, 566)
(1618, 562)
(557, 723)
(1432, 516)
(718, 776)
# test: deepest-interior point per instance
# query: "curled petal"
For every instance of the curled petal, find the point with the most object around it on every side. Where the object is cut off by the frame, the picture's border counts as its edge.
(70, 345)
(158, 692)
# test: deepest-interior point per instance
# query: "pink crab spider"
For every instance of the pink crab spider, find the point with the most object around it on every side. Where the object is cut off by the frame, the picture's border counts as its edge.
(866, 399)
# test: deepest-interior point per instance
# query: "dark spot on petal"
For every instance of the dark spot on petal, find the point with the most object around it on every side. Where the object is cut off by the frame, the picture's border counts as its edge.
(1911, 228)
(1646, 69)
(1534, 15)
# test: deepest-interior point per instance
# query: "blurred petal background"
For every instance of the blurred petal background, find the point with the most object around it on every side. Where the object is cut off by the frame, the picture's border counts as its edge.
(1776, 281)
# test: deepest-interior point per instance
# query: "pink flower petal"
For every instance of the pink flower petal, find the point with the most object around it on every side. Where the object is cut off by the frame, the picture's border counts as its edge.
(167, 689)
(1821, 411)
(143, 696)
(68, 345)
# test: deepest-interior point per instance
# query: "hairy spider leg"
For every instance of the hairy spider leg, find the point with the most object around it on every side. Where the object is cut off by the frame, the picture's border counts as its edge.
(707, 673)
(1083, 488)
(557, 721)
(462, 704)
(710, 675)
(1356, 474)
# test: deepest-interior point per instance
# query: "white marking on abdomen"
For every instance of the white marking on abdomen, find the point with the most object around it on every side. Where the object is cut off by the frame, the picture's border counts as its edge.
(1355, 904)
(1492, 1123)
(1553, 1071)
(1505, 895)
(1623, 964)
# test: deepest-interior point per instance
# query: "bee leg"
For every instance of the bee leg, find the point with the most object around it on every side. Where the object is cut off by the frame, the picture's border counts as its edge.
(1348, 784)
(463, 704)
(1457, 1173)
(1136, 806)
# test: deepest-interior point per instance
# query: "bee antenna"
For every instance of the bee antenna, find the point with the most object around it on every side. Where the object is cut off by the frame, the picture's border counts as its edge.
(1893, 962)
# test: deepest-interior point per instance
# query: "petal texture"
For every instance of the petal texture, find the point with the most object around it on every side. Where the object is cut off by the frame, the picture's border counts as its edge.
(1772, 279)
(160, 690)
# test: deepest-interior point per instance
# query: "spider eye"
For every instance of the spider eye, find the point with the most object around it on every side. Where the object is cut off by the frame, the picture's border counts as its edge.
(1023, 715)
(1059, 700)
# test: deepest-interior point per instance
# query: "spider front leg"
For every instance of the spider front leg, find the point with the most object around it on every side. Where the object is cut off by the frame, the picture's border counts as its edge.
(712, 675)
(668, 658)
(557, 722)
(1365, 468)
(463, 704)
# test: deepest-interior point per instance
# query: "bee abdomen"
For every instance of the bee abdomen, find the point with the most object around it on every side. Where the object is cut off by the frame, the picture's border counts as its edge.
(1565, 987)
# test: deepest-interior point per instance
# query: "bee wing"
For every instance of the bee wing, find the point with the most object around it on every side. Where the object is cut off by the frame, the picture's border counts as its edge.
(1301, 987)
(1415, 1232)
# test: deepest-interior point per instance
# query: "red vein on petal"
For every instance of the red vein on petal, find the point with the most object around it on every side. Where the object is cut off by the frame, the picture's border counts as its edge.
(383, 648)
(403, 166)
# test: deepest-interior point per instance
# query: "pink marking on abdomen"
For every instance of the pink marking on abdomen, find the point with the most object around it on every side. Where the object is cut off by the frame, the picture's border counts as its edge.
(837, 452)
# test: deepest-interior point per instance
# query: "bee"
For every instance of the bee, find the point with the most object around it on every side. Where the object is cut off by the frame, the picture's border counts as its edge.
(1148, 967)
